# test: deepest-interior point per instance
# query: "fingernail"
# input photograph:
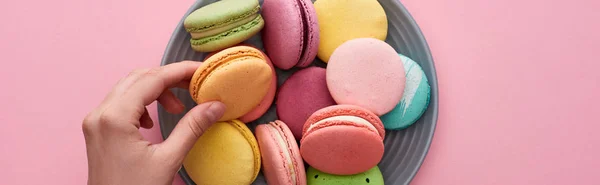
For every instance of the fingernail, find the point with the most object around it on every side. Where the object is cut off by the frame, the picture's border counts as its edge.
(215, 111)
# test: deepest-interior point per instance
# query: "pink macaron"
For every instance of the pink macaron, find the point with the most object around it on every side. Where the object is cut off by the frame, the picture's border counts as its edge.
(291, 32)
(303, 93)
(265, 104)
(366, 72)
(343, 140)
(281, 160)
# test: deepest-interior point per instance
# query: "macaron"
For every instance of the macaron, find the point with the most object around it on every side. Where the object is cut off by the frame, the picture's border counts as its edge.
(223, 24)
(281, 160)
(291, 32)
(370, 177)
(366, 72)
(303, 93)
(343, 140)
(238, 76)
(343, 20)
(226, 153)
(266, 102)
(415, 98)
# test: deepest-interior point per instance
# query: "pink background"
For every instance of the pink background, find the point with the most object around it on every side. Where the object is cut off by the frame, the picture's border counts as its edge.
(518, 81)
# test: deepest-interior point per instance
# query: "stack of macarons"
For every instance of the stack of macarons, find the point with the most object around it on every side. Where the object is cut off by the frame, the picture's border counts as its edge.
(331, 121)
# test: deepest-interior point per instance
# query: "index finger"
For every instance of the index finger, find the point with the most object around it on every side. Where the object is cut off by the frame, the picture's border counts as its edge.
(151, 85)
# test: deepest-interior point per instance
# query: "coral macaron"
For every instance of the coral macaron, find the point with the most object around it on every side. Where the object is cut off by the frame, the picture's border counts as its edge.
(282, 163)
(238, 76)
(343, 140)
(291, 32)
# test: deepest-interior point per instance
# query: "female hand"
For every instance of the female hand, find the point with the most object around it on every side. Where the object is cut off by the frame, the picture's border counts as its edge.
(118, 154)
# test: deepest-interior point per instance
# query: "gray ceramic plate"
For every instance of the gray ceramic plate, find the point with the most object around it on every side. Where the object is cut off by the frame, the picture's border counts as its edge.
(404, 150)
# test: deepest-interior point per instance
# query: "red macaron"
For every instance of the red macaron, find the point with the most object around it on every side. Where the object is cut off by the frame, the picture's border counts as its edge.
(303, 93)
(343, 140)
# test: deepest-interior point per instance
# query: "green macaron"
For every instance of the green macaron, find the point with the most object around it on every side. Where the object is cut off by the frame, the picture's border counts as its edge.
(371, 177)
(223, 24)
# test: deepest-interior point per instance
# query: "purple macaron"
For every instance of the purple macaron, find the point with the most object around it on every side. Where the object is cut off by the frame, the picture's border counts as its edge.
(303, 93)
(291, 32)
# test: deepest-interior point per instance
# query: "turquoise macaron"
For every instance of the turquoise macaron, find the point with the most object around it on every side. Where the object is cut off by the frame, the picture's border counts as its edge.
(415, 99)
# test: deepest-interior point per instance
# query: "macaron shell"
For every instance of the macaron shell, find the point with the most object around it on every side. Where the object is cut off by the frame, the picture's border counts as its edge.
(267, 101)
(371, 177)
(283, 34)
(311, 33)
(303, 93)
(340, 110)
(241, 84)
(366, 72)
(415, 99)
(275, 167)
(343, 20)
(342, 149)
(226, 153)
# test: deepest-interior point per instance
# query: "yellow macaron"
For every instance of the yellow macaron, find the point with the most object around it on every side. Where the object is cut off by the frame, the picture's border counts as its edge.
(226, 154)
(343, 20)
(239, 76)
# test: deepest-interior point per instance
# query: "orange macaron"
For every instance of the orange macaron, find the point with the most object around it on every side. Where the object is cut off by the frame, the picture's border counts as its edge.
(239, 76)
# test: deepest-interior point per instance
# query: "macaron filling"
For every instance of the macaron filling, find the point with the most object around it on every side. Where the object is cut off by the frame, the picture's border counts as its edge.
(217, 30)
(307, 36)
(257, 21)
(283, 146)
(344, 119)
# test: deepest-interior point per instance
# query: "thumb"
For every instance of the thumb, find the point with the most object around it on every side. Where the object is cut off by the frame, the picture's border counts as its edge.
(191, 127)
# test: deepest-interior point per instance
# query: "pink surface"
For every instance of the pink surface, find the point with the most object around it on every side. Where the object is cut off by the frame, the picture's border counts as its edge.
(518, 85)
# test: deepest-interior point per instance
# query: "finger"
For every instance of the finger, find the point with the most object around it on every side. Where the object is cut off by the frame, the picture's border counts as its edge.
(151, 85)
(118, 90)
(124, 84)
(145, 121)
(129, 80)
(171, 103)
(191, 127)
